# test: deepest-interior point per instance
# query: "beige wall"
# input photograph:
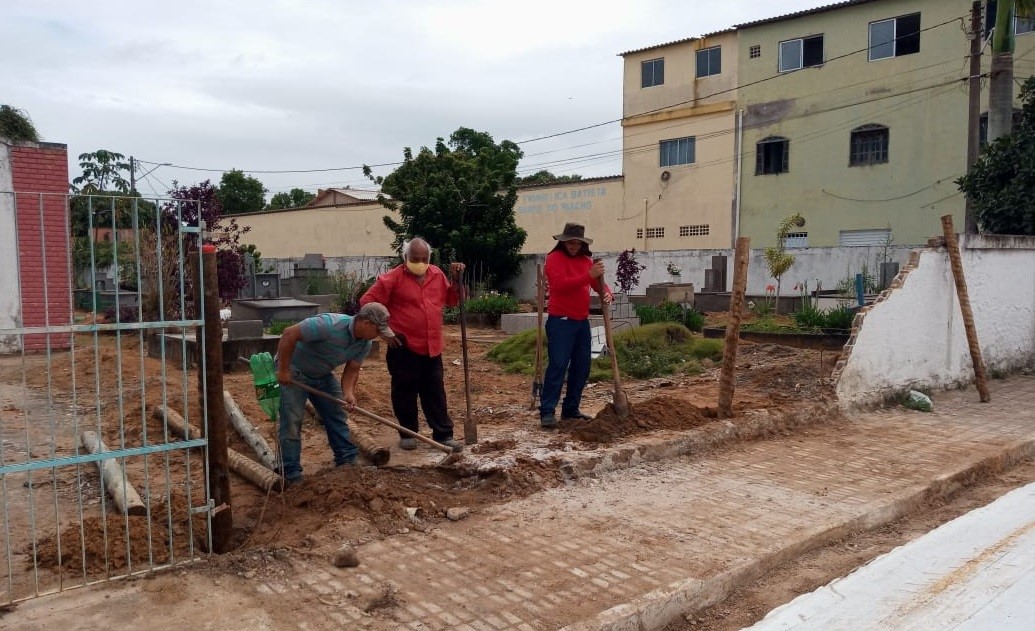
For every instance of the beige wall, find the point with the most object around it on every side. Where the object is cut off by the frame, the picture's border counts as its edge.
(597, 204)
(693, 195)
(355, 230)
(817, 108)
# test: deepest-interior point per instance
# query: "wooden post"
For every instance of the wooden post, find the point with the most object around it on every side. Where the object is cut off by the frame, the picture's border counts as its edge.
(470, 427)
(254, 472)
(114, 477)
(248, 432)
(736, 315)
(952, 245)
(210, 386)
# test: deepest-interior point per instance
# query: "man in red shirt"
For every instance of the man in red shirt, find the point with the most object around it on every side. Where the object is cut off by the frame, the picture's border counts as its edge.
(570, 272)
(415, 293)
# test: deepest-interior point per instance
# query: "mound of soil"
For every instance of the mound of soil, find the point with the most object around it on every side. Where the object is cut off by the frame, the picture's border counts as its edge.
(653, 414)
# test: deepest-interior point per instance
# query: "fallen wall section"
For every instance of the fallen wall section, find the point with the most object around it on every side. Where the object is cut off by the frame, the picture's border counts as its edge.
(913, 336)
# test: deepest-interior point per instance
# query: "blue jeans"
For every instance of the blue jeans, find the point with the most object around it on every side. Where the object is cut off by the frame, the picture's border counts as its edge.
(568, 344)
(333, 415)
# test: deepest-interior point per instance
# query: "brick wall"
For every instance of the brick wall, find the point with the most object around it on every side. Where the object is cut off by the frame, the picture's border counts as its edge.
(39, 173)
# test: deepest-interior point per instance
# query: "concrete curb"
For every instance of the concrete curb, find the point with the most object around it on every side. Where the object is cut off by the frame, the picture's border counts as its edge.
(657, 609)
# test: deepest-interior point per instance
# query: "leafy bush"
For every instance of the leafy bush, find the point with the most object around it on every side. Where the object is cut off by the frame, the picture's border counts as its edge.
(277, 326)
(493, 304)
(517, 352)
(809, 318)
(451, 315)
(840, 317)
(347, 288)
(668, 311)
(628, 274)
(657, 349)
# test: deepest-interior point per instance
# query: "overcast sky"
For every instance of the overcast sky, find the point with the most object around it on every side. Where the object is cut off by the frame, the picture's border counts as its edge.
(321, 84)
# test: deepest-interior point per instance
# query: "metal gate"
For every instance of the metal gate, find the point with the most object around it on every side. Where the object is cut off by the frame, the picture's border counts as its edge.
(98, 322)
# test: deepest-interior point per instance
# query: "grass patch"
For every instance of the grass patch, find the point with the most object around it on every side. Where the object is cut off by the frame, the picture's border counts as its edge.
(652, 350)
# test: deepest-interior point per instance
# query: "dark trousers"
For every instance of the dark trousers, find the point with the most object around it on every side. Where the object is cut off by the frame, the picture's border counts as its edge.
(421, 376)
(568, 344)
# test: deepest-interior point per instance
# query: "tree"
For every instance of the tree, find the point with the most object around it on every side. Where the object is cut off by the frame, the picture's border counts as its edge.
(240, 193)
(460, 197)
(1000, 82)
(545, 177)
(295, 199)
(776, 258)
(16, 125)
(1001, 184)
(201, 201)
(102, 171)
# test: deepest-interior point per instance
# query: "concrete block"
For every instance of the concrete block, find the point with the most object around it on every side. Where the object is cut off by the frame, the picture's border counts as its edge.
(244, 329)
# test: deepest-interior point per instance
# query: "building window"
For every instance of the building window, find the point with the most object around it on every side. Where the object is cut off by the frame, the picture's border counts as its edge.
(755, 51)
(677, 151)
(895, 37)
(693, 231)
(652, 72)
(652, 233)
(863, 238)
(869, 145)
(709, 61)
(1022, 22)
(796, 240)
(803, 52)
(771, 155)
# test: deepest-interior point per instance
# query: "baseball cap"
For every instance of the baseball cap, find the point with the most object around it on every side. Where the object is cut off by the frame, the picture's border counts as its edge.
(378, 314)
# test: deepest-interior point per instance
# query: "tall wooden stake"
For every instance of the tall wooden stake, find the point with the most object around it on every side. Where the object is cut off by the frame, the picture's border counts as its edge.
(470, 427)
(210, 385)
(952, 245)
(973, 108)
(729, 353)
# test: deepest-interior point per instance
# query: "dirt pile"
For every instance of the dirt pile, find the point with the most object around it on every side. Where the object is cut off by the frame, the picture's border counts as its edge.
(653, 414)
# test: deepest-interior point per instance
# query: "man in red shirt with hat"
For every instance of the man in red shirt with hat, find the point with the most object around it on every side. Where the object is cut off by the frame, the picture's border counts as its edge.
(415, 293)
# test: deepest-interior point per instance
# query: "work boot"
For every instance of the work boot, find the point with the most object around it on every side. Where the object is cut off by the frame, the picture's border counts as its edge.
(408, 443)
(452, 444)
(548, 420)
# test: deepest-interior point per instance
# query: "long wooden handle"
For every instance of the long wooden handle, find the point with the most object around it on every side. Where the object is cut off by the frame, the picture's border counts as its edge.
(611, 345)
(373, 417)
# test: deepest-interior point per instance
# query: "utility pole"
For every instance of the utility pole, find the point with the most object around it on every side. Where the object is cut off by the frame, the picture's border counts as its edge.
(132, 174)
(970, 225)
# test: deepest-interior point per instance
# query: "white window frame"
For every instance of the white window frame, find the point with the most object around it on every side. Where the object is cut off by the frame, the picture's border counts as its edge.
(894, 37)
(801, 53)
(653, 72)
(707, 53)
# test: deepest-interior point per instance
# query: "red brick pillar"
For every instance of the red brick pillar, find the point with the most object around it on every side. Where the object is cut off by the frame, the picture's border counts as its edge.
(39, 173)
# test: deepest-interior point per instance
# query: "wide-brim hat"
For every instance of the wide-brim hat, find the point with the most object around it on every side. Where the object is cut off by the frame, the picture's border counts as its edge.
(574, 231)
(378, 314)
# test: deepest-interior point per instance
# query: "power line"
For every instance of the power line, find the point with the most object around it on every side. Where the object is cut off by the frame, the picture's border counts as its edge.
(563, 133)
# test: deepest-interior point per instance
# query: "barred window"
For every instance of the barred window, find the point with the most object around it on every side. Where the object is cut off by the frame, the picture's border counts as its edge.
(755, 51)
(694, 231)
(652, 233)
(796, 240)
(869, 145)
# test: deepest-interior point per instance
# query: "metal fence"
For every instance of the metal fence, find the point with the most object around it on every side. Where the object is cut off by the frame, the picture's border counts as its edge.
(94, 279)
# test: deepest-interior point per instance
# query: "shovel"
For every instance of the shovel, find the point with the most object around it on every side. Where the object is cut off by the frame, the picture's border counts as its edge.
(452, 451)
(540, 296)
(621, 399)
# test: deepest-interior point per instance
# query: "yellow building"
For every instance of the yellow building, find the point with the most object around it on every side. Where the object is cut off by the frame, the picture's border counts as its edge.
(678, 144)
(855, 116)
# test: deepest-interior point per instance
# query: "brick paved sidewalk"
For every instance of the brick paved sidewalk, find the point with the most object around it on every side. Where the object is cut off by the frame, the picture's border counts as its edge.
(635, 548)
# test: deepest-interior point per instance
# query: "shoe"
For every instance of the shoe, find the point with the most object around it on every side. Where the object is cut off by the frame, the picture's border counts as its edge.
(548, 421)
(347, 463)
(407, 443)
(452, 444)
(577, 416)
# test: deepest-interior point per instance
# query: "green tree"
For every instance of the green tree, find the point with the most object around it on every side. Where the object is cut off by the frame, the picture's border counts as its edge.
(294, 199)
(102, 188)
(545, 177)
(460, 197)
(240, 193)
(1000, 81)
(776, 258)
(16, 125)
(1001, 185)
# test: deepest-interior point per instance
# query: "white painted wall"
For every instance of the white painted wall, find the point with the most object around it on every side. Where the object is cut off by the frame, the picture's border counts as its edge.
(10, 296)
(916, 338)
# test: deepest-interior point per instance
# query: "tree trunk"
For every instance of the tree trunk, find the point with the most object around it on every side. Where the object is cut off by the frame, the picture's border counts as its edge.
(1000, 96)
(114, 476)
(248, 432)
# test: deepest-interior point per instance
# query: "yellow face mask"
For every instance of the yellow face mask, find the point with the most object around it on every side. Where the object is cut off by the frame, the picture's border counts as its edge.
(417, 269)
